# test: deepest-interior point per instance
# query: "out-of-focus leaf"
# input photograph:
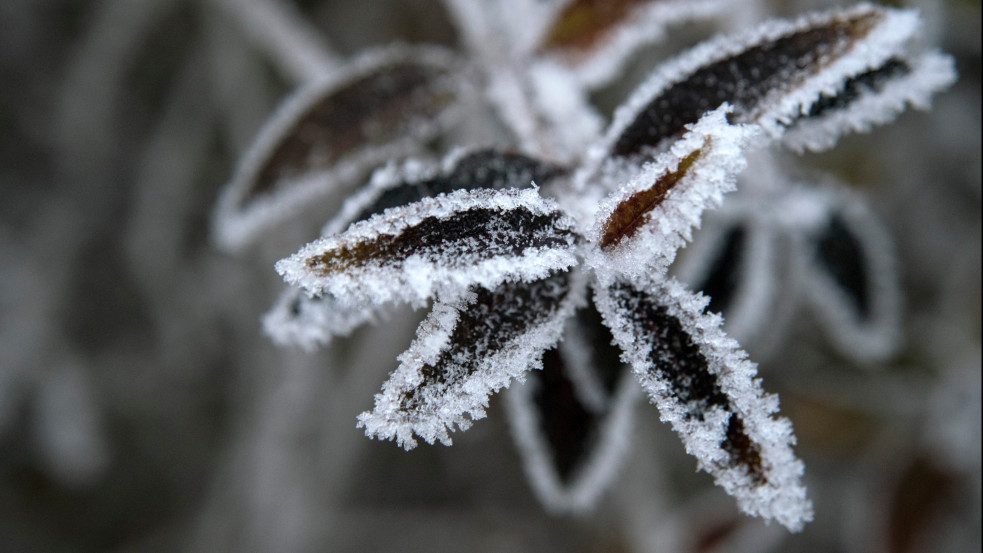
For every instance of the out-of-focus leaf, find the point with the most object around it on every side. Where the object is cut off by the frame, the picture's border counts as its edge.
(384, 105)
(573, 439)
(594, 38)
(839, 253)
(732, 262)
(847, 262)
(566, 425)
(721, 279)
(592, 361)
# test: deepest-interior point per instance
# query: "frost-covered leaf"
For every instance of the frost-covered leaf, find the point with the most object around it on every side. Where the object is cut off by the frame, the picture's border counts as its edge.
(309, 322)
(732, 263)
(770, 74)
(466, 350)
(871, 98)
(557, 421)
(594, 38)
(297, 319)
(395, 186)
(640, 227)
(441, 244)
(572, 426)
(851, 278)
(704, 385)
(385, 105)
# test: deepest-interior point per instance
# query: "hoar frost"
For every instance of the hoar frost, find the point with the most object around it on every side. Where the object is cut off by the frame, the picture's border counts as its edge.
(554, 257)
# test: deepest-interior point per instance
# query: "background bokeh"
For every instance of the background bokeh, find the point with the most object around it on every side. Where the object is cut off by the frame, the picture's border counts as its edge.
(142, 410)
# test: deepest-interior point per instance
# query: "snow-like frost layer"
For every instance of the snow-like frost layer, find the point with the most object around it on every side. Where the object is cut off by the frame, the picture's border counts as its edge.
(704, 424)
(446, 266)
(447, 375)
(887, 38)
(930, 73)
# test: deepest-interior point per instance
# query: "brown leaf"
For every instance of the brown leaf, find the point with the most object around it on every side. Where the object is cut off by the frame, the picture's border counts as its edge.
(706, 388)
(495, 321)
(633, 212)
(583, 23)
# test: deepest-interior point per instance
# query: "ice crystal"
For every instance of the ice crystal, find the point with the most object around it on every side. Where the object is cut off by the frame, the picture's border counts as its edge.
(576, 228)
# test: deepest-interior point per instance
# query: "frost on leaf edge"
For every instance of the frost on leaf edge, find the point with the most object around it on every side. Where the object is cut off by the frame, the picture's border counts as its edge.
(930, 73)
(783, 496)
(717, 150)
(522, 353)
(888, 38)
(236, 222)
(415, 280)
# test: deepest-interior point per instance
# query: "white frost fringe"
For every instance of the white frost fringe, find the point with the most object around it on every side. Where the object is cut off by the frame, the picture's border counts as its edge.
(419, 278)
(236, 223)
(783, 496)
(456, 406)
(670, 225)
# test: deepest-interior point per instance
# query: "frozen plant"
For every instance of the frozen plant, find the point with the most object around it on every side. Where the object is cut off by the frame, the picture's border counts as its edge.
(550, 250)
